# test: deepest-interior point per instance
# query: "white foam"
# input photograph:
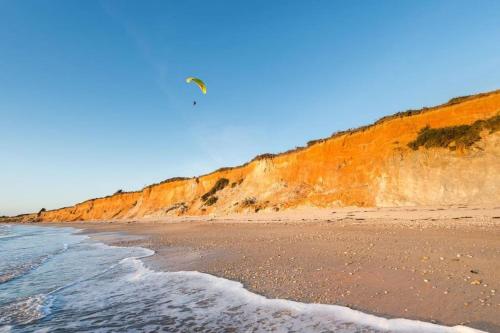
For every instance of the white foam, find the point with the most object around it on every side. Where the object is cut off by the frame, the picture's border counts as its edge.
(223, 295)
(139, 270)
(339, 312)
(27, 310)
(226, 294)
(142, 251)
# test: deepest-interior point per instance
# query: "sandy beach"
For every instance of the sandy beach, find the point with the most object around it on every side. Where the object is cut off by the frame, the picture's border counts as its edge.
(436, 264)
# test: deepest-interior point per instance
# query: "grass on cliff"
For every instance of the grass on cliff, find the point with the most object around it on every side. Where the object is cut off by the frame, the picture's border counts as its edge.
(219, 185)
(462, 136)
(212, 200)
(250, 201)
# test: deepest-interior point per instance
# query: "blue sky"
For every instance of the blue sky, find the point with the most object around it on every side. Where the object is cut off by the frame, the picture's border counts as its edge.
(93, 98)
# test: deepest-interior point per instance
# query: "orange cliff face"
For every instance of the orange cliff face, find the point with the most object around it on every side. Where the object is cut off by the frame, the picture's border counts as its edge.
(372, 166)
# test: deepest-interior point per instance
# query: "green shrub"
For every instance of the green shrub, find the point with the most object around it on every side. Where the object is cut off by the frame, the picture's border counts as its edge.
(263, 157)
(462, 135)
(250, 201)
(313, 142)
(458, 99)
(170, 180)
(219, 185)
(212, 200)
(181, 206)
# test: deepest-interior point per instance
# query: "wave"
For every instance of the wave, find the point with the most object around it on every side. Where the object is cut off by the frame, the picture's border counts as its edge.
(31, 309)
(9, 236)
(26, 310)
(2, 237)
(215, 296)
(5, 232)
(25, 268)
(147, 253)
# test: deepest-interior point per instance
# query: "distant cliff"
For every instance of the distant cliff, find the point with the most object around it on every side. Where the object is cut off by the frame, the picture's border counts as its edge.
(449, 154)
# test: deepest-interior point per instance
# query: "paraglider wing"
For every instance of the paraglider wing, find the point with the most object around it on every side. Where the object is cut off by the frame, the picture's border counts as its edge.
(198, 82)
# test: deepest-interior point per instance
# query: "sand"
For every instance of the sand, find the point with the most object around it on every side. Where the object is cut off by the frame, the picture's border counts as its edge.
(437, 264)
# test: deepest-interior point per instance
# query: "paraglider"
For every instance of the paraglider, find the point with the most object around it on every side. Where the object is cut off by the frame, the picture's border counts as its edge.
(200, 85)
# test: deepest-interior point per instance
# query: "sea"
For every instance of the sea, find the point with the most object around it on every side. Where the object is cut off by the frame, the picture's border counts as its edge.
(55, 279)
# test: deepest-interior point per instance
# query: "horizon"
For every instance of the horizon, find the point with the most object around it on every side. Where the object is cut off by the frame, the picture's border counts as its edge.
(112, 111)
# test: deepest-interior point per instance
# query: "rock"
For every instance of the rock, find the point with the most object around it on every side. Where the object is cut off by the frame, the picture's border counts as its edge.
(475, 282)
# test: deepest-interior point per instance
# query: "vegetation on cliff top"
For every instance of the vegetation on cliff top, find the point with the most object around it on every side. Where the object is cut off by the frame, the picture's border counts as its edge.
(453, 137)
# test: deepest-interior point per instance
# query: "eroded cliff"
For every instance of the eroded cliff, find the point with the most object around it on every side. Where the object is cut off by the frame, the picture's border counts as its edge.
(370, 166)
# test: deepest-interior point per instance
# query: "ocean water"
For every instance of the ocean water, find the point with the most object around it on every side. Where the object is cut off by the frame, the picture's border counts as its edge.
(56, 280)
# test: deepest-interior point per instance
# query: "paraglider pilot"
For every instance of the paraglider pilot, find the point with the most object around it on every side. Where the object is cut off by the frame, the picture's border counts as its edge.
(200, 85)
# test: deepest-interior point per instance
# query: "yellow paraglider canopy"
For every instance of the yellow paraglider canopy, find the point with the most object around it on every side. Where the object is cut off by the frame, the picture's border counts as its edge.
(198, 82)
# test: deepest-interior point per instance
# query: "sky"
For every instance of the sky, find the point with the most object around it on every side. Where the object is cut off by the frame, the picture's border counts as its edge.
(93, 95)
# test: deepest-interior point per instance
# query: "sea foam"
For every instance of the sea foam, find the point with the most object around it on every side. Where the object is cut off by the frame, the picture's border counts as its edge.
(216, 296)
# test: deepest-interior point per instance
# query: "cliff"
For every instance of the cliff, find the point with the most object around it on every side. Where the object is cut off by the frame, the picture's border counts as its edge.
(449, 154)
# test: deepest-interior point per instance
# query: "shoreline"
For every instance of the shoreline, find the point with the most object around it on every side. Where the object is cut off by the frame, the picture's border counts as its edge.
(394, 263)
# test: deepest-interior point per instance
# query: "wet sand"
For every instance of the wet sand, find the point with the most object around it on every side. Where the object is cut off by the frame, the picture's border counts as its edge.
(437, 264)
